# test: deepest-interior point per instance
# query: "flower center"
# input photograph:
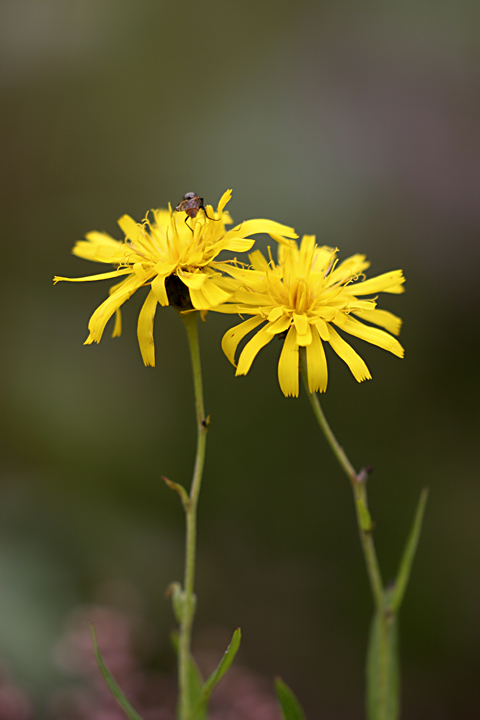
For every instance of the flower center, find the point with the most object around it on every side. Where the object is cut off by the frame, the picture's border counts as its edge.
(301, 298)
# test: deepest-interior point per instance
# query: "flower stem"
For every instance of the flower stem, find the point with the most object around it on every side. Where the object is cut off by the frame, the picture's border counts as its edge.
(359, 488)
(382, 663)
(188, 610)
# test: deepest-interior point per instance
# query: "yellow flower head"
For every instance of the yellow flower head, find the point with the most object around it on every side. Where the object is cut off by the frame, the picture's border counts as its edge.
(304, 298)
(176, 259)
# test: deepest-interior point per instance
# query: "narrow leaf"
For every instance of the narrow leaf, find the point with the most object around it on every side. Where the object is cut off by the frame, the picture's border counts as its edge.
(364, 516)
(178, 489)
(213, 680)
(289, 704)
(409, 553)
(225, 662)
(117, 693)
(383, 678)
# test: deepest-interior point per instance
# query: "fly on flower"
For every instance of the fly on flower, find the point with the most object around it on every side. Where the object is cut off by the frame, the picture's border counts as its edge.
(306, 299)
(162, 252)
(191, 204)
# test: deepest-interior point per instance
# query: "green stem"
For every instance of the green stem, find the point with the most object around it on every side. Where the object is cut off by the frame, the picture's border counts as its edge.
(382, 668)
(359, 488)
(184, 650)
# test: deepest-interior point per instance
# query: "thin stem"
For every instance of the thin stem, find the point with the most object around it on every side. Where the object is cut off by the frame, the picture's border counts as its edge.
(184, 650)
(358, 483)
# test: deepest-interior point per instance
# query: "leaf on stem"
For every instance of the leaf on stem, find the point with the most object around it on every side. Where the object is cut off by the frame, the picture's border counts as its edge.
(383, 676)
(195, 690)
(180, 490)
(212, 681)
(175, 591)
(195, 682)
(409, 553)
(117, 693)
(289, 704)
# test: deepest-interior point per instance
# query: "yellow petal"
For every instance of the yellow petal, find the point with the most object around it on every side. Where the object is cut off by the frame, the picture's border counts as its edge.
(371, 335)
(250, 298)
(208, 296)
(252, 227)
(353, 265)
(306, 254)
(226, 197)
(322, 328)
(117, 328)
(301, 323)
(105, 311)
(131, 229)
(306, 339)
(391, 282)
(238, 272)
(236, 244)
(274, 314)
(323, 259)
(345, 351)
(251, 350)
(164, 268)
(159, 290)
(194, 281)
(140, 271)
(288, 365)
(316, 364)
(99, 247)
(258, 261)
(99, 276)
(145, 329)
(234, 308)
(385, 319)
(280, 325)
(233, 336)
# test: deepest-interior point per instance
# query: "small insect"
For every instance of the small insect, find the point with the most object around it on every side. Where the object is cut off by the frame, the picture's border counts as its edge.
(191, 204)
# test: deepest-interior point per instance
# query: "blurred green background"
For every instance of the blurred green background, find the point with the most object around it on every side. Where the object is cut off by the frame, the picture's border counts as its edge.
(359, 122)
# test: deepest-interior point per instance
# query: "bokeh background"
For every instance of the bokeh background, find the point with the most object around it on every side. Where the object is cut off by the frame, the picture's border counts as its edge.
(359, 122)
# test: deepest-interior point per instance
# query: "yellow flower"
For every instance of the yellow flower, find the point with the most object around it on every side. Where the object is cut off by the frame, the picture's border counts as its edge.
(302, 299)
(168, 250)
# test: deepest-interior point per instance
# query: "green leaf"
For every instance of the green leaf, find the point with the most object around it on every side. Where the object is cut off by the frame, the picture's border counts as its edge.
(225, 662)
(289, 704)
(117, 693)
(195, 689)
(364, 516)
(195, 682)
(383, 677)
(175, 591)
(409, 554)
(213, 680)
